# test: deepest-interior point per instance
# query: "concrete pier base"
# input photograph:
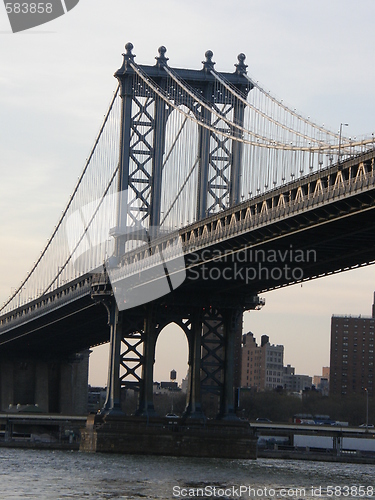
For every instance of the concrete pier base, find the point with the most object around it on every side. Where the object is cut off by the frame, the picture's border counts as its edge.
(53, 386)
(169, 437)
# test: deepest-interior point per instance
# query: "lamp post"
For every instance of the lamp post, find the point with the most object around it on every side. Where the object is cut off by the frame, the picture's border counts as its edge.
(173, 376)
(366, 410)
(339, 154)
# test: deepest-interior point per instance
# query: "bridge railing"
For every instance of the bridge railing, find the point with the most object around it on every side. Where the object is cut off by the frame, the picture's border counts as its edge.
(46, 303)
(237, 220)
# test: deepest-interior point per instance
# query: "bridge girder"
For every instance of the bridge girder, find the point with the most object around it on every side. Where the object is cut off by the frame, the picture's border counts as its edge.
(337, 221)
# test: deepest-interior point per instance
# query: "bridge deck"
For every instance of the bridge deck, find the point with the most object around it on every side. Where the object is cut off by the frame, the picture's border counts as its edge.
(330, 213)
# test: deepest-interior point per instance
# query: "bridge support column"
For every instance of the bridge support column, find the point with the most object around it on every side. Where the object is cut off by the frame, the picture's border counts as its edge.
(42, 386)
(112, 404)
(157, 166)
(55, 387)
(146, 397)
(237, 147)
(24, 382)
(73, 384)
(204, 144)
(232, 326)
(221, 342)
(337, 444)
(193, 402)
(204, 161)
(7, 384)
(126, 94)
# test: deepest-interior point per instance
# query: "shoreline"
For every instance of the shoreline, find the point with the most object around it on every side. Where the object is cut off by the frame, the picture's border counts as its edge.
(40, 445)
(264, 454)
(353, 458)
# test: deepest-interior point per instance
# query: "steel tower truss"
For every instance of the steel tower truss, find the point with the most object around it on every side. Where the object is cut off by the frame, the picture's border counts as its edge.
(212, 331)
(143, 126)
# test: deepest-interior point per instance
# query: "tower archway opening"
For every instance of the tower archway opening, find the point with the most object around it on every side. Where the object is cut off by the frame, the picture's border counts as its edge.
(171, 355)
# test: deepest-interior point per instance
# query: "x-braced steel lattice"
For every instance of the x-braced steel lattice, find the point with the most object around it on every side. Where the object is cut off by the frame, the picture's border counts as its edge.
(220, 161)
(213, 352)
(131, 350)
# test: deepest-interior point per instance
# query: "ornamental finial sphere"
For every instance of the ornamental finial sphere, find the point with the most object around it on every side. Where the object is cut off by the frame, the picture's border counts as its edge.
(208, 64)
(161, 60)
(128, 56)
(129, 47)
(241, 66)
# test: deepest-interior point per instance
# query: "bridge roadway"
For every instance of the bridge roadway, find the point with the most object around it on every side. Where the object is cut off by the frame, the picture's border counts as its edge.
(38, 430)
(281, 429)
(330, 213)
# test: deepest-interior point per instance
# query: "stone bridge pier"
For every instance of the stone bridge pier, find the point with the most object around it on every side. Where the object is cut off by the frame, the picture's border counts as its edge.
(53, 386)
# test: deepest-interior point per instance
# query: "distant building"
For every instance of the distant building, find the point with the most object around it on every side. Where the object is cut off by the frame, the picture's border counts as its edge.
(288, 375)
(352, 354)
(165, 387)
(96, 398)
(263, 367)
(321, 382)
(297, 383)
(185, 383)
(325, 375)
(169, 386)
(273, 363)
(323, 386)
(251, 363)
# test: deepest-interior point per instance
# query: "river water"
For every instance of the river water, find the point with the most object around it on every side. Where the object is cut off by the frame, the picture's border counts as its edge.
(34, 474)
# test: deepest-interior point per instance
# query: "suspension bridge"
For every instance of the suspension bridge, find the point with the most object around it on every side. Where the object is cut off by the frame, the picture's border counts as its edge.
(202, 191)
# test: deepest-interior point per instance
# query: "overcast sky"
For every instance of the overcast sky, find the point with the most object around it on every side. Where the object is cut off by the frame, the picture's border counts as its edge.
(56, 82)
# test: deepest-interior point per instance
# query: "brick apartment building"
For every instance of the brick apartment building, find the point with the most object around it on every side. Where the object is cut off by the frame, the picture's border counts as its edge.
(352, 354)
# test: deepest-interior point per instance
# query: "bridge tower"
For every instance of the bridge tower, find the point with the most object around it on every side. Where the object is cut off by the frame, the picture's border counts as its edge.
(143, 130)
(213, 328)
